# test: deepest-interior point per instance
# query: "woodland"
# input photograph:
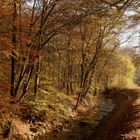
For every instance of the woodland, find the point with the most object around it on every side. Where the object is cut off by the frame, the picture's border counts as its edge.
(57, 57)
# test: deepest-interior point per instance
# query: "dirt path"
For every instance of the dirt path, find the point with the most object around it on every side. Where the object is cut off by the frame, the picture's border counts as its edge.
(117, 117)
(130, 128)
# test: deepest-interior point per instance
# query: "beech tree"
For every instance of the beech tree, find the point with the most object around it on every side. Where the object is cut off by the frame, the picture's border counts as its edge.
(65, 37)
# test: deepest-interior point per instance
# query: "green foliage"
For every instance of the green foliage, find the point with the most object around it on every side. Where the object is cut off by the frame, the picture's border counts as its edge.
(117, 71)
(4, 123)
(126, 72)
(47, 104)
(5, 126)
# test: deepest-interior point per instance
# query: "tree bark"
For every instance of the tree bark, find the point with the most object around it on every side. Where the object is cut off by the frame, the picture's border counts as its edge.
(14, 41)
(36, 77)
(26, 85)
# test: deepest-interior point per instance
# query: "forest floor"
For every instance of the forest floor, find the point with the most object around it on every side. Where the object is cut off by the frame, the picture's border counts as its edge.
(114, 117)
(50, 113)
(121, 124)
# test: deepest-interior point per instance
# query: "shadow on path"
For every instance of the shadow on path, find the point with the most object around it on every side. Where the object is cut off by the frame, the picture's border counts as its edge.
(130, 128)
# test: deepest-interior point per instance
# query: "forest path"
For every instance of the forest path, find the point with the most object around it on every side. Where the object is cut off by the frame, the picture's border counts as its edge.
(111, 127)
(130, 128)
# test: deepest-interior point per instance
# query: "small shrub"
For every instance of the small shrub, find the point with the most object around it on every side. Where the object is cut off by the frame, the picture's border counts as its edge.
(5, 126)
(33, 113)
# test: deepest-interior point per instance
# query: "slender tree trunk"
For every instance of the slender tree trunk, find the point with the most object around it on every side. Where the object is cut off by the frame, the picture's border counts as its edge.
(78, 100)
(58, 69)
(26, 84)
(106, 82)
(36, 77)
(12, 76)
(82, 65)
(71, 73)
(14, 41)
(19, 80)
(68, 65)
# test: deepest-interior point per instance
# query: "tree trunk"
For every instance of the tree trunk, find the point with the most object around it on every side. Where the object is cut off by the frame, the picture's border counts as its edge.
(12, 93)
(78, 100)
(36, 77)
(26, 84)
(14, 41)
